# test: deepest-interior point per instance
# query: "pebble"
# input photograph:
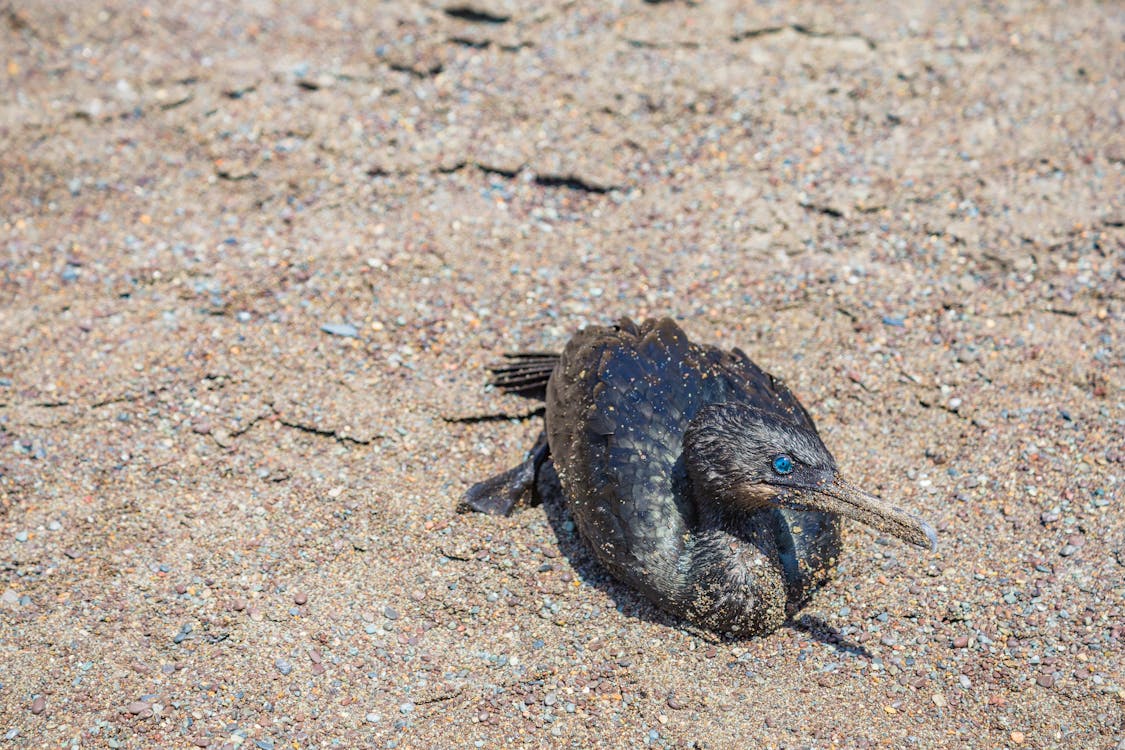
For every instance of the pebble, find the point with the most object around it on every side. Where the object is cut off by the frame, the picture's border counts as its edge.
(136, 707)
(961, 641)
(1045, 680)
(38, 705)
(347, 330)
(939, 700)
(373, 718)
(283, 666)
(300, 598)
(390, 613)
(675, 702)
(21, 536)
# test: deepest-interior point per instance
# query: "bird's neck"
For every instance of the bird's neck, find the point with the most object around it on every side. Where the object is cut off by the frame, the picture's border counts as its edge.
(734, 579)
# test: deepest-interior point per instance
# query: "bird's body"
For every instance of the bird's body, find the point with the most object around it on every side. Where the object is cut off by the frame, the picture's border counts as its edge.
(688, 471)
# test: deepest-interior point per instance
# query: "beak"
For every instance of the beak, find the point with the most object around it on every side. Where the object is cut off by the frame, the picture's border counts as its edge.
(843, 499)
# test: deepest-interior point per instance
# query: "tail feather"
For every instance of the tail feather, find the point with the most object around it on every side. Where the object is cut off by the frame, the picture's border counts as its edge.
(524, 373)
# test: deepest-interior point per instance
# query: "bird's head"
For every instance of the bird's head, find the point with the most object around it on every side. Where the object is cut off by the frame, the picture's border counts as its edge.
(742, 460)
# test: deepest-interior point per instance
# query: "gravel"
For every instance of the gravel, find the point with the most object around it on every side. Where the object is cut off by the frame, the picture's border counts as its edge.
(255, 264)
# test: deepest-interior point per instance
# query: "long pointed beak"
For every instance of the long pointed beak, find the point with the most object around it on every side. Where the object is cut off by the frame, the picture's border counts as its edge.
(842, 498)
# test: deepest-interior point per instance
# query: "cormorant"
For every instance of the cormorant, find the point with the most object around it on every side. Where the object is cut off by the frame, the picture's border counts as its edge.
(694, 476)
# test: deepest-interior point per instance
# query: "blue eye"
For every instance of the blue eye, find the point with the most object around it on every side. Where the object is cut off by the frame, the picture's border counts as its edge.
(782, 464)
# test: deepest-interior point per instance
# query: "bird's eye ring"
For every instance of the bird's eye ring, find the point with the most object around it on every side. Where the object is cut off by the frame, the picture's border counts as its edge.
(782, 464)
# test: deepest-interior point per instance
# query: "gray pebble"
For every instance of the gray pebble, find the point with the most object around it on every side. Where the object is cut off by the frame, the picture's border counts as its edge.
(406, 708)
(390, 613)
(283, 666)
(21, 536)
(347, 330)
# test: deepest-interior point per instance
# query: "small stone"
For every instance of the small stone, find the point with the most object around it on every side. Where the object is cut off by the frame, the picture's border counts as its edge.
(406, 708)
(390, 613)
(136, 707)
(939, 700)
(675, 702)
(373, 718)
(39, 705)
(283, 666)
(1067, 550)
(1045, 680)
(347, 330)
(21, 536)
(300, 598)
(1017, 737)
(961, 641)
(201, 427)
(238, 604)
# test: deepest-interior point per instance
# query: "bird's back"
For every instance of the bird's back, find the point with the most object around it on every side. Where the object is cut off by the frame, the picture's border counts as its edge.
(618, 405)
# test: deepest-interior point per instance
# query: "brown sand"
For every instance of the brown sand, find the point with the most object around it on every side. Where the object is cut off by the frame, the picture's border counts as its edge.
(221, 525)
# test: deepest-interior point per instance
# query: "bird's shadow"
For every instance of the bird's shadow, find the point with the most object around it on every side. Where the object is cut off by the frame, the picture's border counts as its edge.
(821, 631)
(548, 493)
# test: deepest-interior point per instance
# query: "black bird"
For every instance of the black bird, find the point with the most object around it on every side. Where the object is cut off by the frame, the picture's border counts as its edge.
(693, 475)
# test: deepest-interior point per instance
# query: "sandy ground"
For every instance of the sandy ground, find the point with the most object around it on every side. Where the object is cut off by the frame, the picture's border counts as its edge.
(223, 524)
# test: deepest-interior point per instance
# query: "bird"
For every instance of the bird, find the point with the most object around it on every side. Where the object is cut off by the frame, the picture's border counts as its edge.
(693, 476)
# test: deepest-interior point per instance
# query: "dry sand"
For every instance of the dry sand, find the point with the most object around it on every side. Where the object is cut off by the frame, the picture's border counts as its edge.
(222, 525)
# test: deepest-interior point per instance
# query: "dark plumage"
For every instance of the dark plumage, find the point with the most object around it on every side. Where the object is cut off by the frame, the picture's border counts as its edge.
(693, 475)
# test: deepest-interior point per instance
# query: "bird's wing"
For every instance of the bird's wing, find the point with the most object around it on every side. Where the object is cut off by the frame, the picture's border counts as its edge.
(745, 381)
(620, 402)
